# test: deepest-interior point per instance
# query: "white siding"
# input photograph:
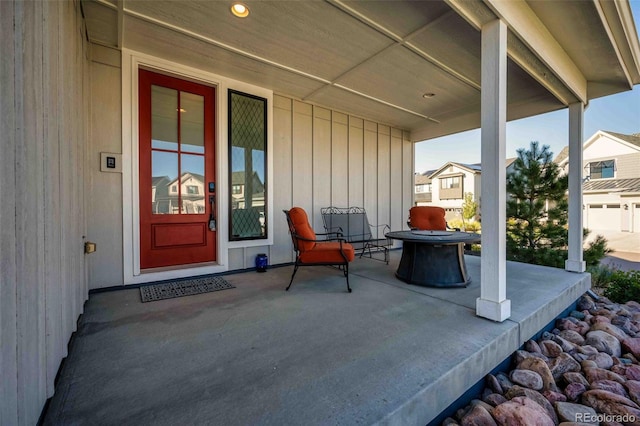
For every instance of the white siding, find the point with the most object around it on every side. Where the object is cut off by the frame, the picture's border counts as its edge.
(105, 265)
(605, 147)
(340, 160)
(43, 103)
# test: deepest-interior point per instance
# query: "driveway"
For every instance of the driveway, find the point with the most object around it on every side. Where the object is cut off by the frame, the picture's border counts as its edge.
(626, 246)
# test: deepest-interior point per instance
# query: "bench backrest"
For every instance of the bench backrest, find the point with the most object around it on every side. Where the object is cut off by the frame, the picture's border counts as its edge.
(351, 221)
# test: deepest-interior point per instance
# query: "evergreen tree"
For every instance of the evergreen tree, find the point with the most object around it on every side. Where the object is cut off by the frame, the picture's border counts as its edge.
(537, 211)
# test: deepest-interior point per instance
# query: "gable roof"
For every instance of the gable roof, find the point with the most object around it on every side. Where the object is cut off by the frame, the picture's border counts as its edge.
(632, 140)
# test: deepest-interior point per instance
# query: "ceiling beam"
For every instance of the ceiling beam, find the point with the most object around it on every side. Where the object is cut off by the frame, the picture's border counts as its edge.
(531, 47)
(526, 25)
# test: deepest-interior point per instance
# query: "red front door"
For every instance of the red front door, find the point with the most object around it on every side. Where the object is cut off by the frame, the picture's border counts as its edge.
(177, 189)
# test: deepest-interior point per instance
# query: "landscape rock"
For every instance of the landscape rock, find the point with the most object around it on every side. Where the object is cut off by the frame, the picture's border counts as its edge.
(633, 390)
(632, 345)
(572, 336)
(570, 412)
(521, 411)
(493, 384)
(600, 398)
(504, 381)
(495, 399)
(587, 366)
(550, 348)
(562, 364)
(595, 374)
(520, 392)
(604, 342)
(573, 377)
(611, 329)
(610, 386)
(574, 391)
(477, 416)
(585, 303)
(532, 346)
(540, 367)
(527, 378)
(602, 360)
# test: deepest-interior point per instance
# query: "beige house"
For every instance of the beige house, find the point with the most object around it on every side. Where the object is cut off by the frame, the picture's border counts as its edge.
(324, 99)
(448, 185)
(611, 189)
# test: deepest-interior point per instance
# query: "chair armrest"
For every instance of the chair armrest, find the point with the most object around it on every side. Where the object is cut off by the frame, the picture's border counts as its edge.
(385, 228)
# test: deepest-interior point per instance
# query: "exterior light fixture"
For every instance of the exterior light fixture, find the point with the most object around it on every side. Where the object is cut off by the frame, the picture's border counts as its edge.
(240, 10)
(626, 206)
(428, 95)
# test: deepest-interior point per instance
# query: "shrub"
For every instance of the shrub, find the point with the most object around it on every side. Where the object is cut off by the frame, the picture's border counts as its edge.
(601, 275)
(623, 286)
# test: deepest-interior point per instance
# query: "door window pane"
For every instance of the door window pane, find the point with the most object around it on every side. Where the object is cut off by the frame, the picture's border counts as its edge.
(164, 118)
(192, 185)
(192, 122)
(248, 160)
(164, 188)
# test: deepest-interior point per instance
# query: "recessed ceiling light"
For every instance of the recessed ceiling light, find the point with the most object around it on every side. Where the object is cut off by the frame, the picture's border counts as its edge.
(239, 10)
(428, 95)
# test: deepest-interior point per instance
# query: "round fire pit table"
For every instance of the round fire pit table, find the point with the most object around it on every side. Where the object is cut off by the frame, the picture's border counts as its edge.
(433, 258)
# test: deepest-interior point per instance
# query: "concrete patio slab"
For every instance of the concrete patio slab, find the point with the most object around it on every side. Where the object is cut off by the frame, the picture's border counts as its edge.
(388, 353)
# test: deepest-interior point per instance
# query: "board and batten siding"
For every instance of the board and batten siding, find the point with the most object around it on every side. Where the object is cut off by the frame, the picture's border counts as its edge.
(327, 158)
(43, 285)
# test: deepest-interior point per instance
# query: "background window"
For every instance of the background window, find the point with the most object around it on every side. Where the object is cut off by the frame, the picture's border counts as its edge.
(248, 166)
(602, 169)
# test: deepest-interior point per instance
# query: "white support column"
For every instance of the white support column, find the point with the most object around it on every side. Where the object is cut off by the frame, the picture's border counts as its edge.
(574, 263)
(493, 303)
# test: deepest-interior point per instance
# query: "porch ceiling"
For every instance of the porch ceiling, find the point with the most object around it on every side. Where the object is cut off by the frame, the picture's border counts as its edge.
(376, 59)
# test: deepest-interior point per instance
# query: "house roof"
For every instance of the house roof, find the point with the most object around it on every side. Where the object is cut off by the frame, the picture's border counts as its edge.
(473, 168)
(633, 139)
(610, 185)
(422, 179)
(376, 59)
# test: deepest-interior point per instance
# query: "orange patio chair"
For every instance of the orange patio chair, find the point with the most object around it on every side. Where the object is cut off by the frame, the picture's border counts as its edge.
(310, 251)
(427, 218)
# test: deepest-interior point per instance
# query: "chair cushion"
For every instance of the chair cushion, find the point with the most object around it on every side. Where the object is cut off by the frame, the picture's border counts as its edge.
(427, 218)
(328, 252)
(301, 224)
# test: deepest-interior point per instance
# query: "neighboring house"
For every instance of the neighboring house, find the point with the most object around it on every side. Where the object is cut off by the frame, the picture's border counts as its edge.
(446, 186)
(166, 198)
(423, 189)
(239, 189)
(611, 189)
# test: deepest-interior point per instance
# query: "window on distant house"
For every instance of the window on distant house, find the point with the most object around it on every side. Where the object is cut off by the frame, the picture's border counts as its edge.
(236, 189)
(192, 189)
(602, 169)
(450, 182)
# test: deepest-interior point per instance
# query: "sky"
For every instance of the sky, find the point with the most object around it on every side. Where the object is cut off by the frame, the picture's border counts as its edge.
(618, 113)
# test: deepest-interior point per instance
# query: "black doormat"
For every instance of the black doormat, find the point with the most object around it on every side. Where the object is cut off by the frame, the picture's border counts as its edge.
(150, 293)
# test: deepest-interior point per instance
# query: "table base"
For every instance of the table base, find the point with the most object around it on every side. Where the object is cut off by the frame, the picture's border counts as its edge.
(433, 265)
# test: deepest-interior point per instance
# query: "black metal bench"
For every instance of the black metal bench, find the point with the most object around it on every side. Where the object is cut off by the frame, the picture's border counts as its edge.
(353, 224)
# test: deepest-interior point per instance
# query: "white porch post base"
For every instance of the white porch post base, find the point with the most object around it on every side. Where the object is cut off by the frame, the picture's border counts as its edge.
(575, 265)
(495, 311)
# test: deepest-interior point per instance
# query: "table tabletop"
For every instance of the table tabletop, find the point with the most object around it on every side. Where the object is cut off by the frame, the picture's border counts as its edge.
(434, 236)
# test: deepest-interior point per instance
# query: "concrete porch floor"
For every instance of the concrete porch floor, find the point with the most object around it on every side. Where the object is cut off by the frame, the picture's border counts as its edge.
(388, 353)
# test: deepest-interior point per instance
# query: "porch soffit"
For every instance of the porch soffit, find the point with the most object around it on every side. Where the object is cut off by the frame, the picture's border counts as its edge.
(377, 59)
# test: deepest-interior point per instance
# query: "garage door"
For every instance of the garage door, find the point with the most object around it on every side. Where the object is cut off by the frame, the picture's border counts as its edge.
(604, 216)
(636, 218)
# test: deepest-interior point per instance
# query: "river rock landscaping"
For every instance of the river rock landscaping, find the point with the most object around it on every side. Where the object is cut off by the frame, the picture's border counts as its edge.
(585, 371)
